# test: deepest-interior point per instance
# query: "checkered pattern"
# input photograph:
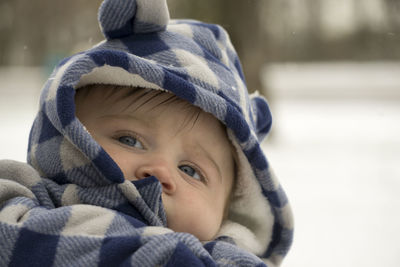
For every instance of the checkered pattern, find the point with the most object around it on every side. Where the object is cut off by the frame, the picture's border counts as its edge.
(43, 223)
(125, 221)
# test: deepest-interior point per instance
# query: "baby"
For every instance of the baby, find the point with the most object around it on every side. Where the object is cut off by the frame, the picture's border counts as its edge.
(154, 133)
(146, 152)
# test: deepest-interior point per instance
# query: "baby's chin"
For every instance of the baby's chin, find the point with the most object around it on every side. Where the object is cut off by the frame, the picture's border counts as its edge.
(202, 233)
(201, 236)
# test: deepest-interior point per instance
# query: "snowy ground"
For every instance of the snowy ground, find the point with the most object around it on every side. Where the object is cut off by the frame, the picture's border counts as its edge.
(19, 97)
(335, 146)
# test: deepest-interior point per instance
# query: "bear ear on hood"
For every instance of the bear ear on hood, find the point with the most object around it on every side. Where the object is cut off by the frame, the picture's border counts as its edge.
(263, 117)
(135, 16)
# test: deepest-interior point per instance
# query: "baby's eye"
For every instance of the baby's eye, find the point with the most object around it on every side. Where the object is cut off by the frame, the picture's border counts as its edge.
(130, 141)
(190, 171)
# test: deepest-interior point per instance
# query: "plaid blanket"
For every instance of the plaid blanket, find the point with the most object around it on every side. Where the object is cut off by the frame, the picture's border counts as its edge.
(72, 206)
(43, 223)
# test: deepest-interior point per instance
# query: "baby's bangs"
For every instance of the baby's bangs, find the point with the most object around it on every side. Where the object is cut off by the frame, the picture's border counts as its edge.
(134, 98)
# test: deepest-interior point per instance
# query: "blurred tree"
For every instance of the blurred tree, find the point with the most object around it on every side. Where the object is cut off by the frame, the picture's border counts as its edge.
(6, 28)
(33, 31)
(41, 31)
(393, 14)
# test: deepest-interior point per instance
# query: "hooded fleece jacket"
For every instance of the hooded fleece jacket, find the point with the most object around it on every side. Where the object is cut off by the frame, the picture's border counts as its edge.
(71, 206)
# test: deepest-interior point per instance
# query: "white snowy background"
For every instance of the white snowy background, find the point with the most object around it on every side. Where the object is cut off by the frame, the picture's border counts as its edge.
(335, 146)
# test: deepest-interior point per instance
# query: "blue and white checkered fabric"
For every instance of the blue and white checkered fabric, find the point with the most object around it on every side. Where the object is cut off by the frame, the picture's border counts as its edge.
(83, 212)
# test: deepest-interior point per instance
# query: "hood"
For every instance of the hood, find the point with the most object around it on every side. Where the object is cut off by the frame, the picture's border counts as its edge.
(196, 62)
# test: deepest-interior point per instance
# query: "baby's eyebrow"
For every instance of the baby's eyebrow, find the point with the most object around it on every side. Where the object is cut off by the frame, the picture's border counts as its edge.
(210, 158)
(128, 117)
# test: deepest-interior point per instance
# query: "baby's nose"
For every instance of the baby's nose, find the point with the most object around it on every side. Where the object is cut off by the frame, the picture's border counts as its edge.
(162, 171)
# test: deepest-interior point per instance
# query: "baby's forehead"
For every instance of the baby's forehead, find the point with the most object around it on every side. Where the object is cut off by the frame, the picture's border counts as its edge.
(127, 98)
(143, 103)
(102, 100)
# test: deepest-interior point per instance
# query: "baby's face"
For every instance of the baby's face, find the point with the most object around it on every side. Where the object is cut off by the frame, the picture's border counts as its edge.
(186, 149)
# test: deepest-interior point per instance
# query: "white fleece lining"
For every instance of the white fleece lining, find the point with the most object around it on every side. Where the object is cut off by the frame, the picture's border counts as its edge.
(250, 220)
(115, 75)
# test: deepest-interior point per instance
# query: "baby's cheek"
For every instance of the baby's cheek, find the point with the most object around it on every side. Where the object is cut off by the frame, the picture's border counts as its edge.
(123, 161)
(204, 224)
(207, 224)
